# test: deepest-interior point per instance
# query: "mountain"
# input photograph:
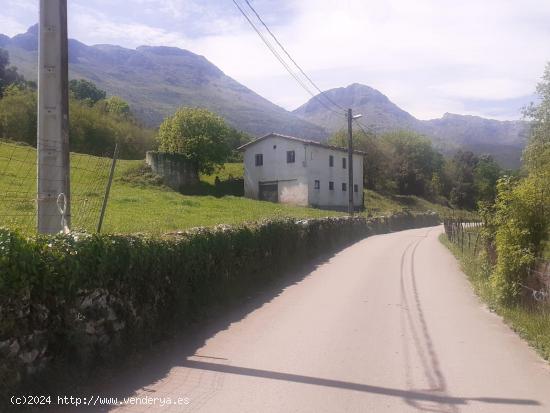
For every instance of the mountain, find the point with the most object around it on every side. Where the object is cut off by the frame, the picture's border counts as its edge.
(379, 113)
(158, 80)
(502, 139)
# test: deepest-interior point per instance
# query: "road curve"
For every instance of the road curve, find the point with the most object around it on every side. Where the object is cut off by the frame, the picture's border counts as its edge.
(389, 324)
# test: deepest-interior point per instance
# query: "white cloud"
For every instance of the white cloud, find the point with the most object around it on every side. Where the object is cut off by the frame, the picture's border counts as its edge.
(10, 27)
(92, 27)
(428, 56)
(481, 88)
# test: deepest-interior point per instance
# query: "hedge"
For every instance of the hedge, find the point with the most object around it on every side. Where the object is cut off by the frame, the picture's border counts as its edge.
(79, 300)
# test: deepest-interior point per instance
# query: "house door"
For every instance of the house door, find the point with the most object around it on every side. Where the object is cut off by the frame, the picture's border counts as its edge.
(269, 191)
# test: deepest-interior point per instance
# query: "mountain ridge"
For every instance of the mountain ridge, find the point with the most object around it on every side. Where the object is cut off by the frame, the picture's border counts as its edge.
(156, 80)
(502, 139)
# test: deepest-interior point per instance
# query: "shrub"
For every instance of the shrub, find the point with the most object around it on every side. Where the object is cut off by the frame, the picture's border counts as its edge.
(518, 225)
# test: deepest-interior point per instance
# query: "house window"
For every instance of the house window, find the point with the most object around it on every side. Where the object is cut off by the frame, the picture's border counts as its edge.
(317, 184)
(331, 160)
(355, 188)
(290, 156)
(331, 186)
(344, 186)
(259, 159)
(344, 163)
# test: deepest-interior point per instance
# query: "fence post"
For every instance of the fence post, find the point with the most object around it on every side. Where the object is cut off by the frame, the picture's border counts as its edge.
(462, 237)
(107, 190)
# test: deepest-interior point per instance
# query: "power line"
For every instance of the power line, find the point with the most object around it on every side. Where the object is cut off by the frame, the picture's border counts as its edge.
(287, 67)
(279, 57)
(272, 49)
(292, 60)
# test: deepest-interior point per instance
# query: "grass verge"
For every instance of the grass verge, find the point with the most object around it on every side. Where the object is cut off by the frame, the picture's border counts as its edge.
(531, 322)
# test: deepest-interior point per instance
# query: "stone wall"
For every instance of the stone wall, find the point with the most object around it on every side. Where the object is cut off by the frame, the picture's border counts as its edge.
(176, 171)
(72, 302)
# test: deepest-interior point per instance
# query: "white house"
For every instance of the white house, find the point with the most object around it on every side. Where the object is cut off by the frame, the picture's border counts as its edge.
(296, 171)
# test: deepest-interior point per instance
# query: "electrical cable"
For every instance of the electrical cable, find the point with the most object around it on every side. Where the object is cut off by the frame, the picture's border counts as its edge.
(280, 58)
(321, 92)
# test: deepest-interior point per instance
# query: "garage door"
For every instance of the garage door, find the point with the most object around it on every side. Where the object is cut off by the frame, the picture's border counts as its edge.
(269, 191)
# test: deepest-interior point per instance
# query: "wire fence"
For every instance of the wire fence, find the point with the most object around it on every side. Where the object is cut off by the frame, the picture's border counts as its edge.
(467, 236)
(538, 281)
(18, 187)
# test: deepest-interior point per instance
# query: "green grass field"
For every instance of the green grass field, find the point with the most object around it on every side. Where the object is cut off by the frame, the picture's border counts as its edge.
(140, 203)
(136, 204)
(376, 204)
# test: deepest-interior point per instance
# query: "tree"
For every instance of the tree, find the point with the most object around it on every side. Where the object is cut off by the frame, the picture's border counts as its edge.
(519, 221)
(234, 140)
(95, 131)
(411, 162)
(18, 114)
(197, 134)
(486, 174)
(461, 175)
(8, 74)
(537, 153)
(116, 106)
(87, 91)
(92, 129)
(374, 161)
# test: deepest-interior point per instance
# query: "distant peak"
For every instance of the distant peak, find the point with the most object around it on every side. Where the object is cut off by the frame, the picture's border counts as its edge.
(449, 115)
(33, 29)
(358, 86)
(27, 40)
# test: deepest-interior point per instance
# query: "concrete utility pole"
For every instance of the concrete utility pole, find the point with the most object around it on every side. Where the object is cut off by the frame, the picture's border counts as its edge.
(54, 206)
(350, 117)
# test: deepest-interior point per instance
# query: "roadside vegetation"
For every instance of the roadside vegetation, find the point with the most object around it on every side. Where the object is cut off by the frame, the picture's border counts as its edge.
(531, 321)
(508, 271)
(518, 223)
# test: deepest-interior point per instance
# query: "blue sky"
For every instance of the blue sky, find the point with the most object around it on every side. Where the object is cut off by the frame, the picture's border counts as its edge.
(479, 57)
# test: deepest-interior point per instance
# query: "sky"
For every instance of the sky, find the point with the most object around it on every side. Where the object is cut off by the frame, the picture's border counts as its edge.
(477, 57)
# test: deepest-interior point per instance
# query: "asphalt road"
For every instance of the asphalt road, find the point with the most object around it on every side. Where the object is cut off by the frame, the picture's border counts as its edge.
(389, 324)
